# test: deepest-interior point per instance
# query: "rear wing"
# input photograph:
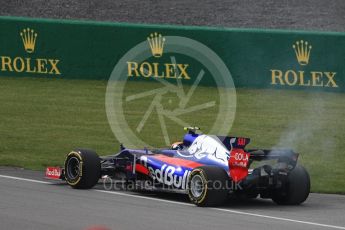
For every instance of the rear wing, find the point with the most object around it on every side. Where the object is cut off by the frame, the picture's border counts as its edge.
(282, 155)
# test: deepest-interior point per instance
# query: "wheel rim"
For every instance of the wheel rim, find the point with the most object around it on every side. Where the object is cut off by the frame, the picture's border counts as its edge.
(197, 186)
(73, 168)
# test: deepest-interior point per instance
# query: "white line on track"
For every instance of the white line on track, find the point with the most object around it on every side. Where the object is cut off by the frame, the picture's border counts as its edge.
(279, 218)
(24, 179)
(187, 204)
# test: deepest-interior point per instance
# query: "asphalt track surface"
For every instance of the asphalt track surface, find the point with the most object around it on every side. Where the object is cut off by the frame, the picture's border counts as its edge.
(27, 201)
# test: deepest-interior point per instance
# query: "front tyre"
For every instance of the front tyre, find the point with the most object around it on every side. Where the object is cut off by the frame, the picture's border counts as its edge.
(82, 169)
(207, 186)
(296, 190)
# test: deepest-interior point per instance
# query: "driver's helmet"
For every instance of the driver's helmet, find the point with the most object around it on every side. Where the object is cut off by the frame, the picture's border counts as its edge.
(177, 145)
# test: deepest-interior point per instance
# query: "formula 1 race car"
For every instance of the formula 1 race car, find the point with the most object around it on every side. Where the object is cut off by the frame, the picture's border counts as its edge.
(208, 168)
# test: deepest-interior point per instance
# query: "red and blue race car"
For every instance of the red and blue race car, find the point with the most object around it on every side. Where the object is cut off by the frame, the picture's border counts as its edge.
(210, 169)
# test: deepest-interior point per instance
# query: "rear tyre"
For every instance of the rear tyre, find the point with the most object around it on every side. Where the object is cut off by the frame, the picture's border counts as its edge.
(296, 190)
(82, 169)
(207, 186)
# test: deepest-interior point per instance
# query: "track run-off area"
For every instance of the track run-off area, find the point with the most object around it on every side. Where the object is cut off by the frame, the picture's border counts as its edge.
(28, 201)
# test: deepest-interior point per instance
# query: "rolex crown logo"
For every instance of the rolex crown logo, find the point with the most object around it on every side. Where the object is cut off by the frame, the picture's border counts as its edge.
(29, 39)
(302, 50)
(156, 42)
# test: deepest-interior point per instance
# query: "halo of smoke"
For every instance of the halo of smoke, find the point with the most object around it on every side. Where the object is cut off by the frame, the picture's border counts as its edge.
(311, 122)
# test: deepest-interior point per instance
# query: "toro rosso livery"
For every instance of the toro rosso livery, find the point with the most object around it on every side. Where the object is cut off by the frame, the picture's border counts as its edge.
(209, 169)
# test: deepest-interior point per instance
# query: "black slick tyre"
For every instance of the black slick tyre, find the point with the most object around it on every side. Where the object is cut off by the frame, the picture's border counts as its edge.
(82, 169)
(296, 190)
(207, 186)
